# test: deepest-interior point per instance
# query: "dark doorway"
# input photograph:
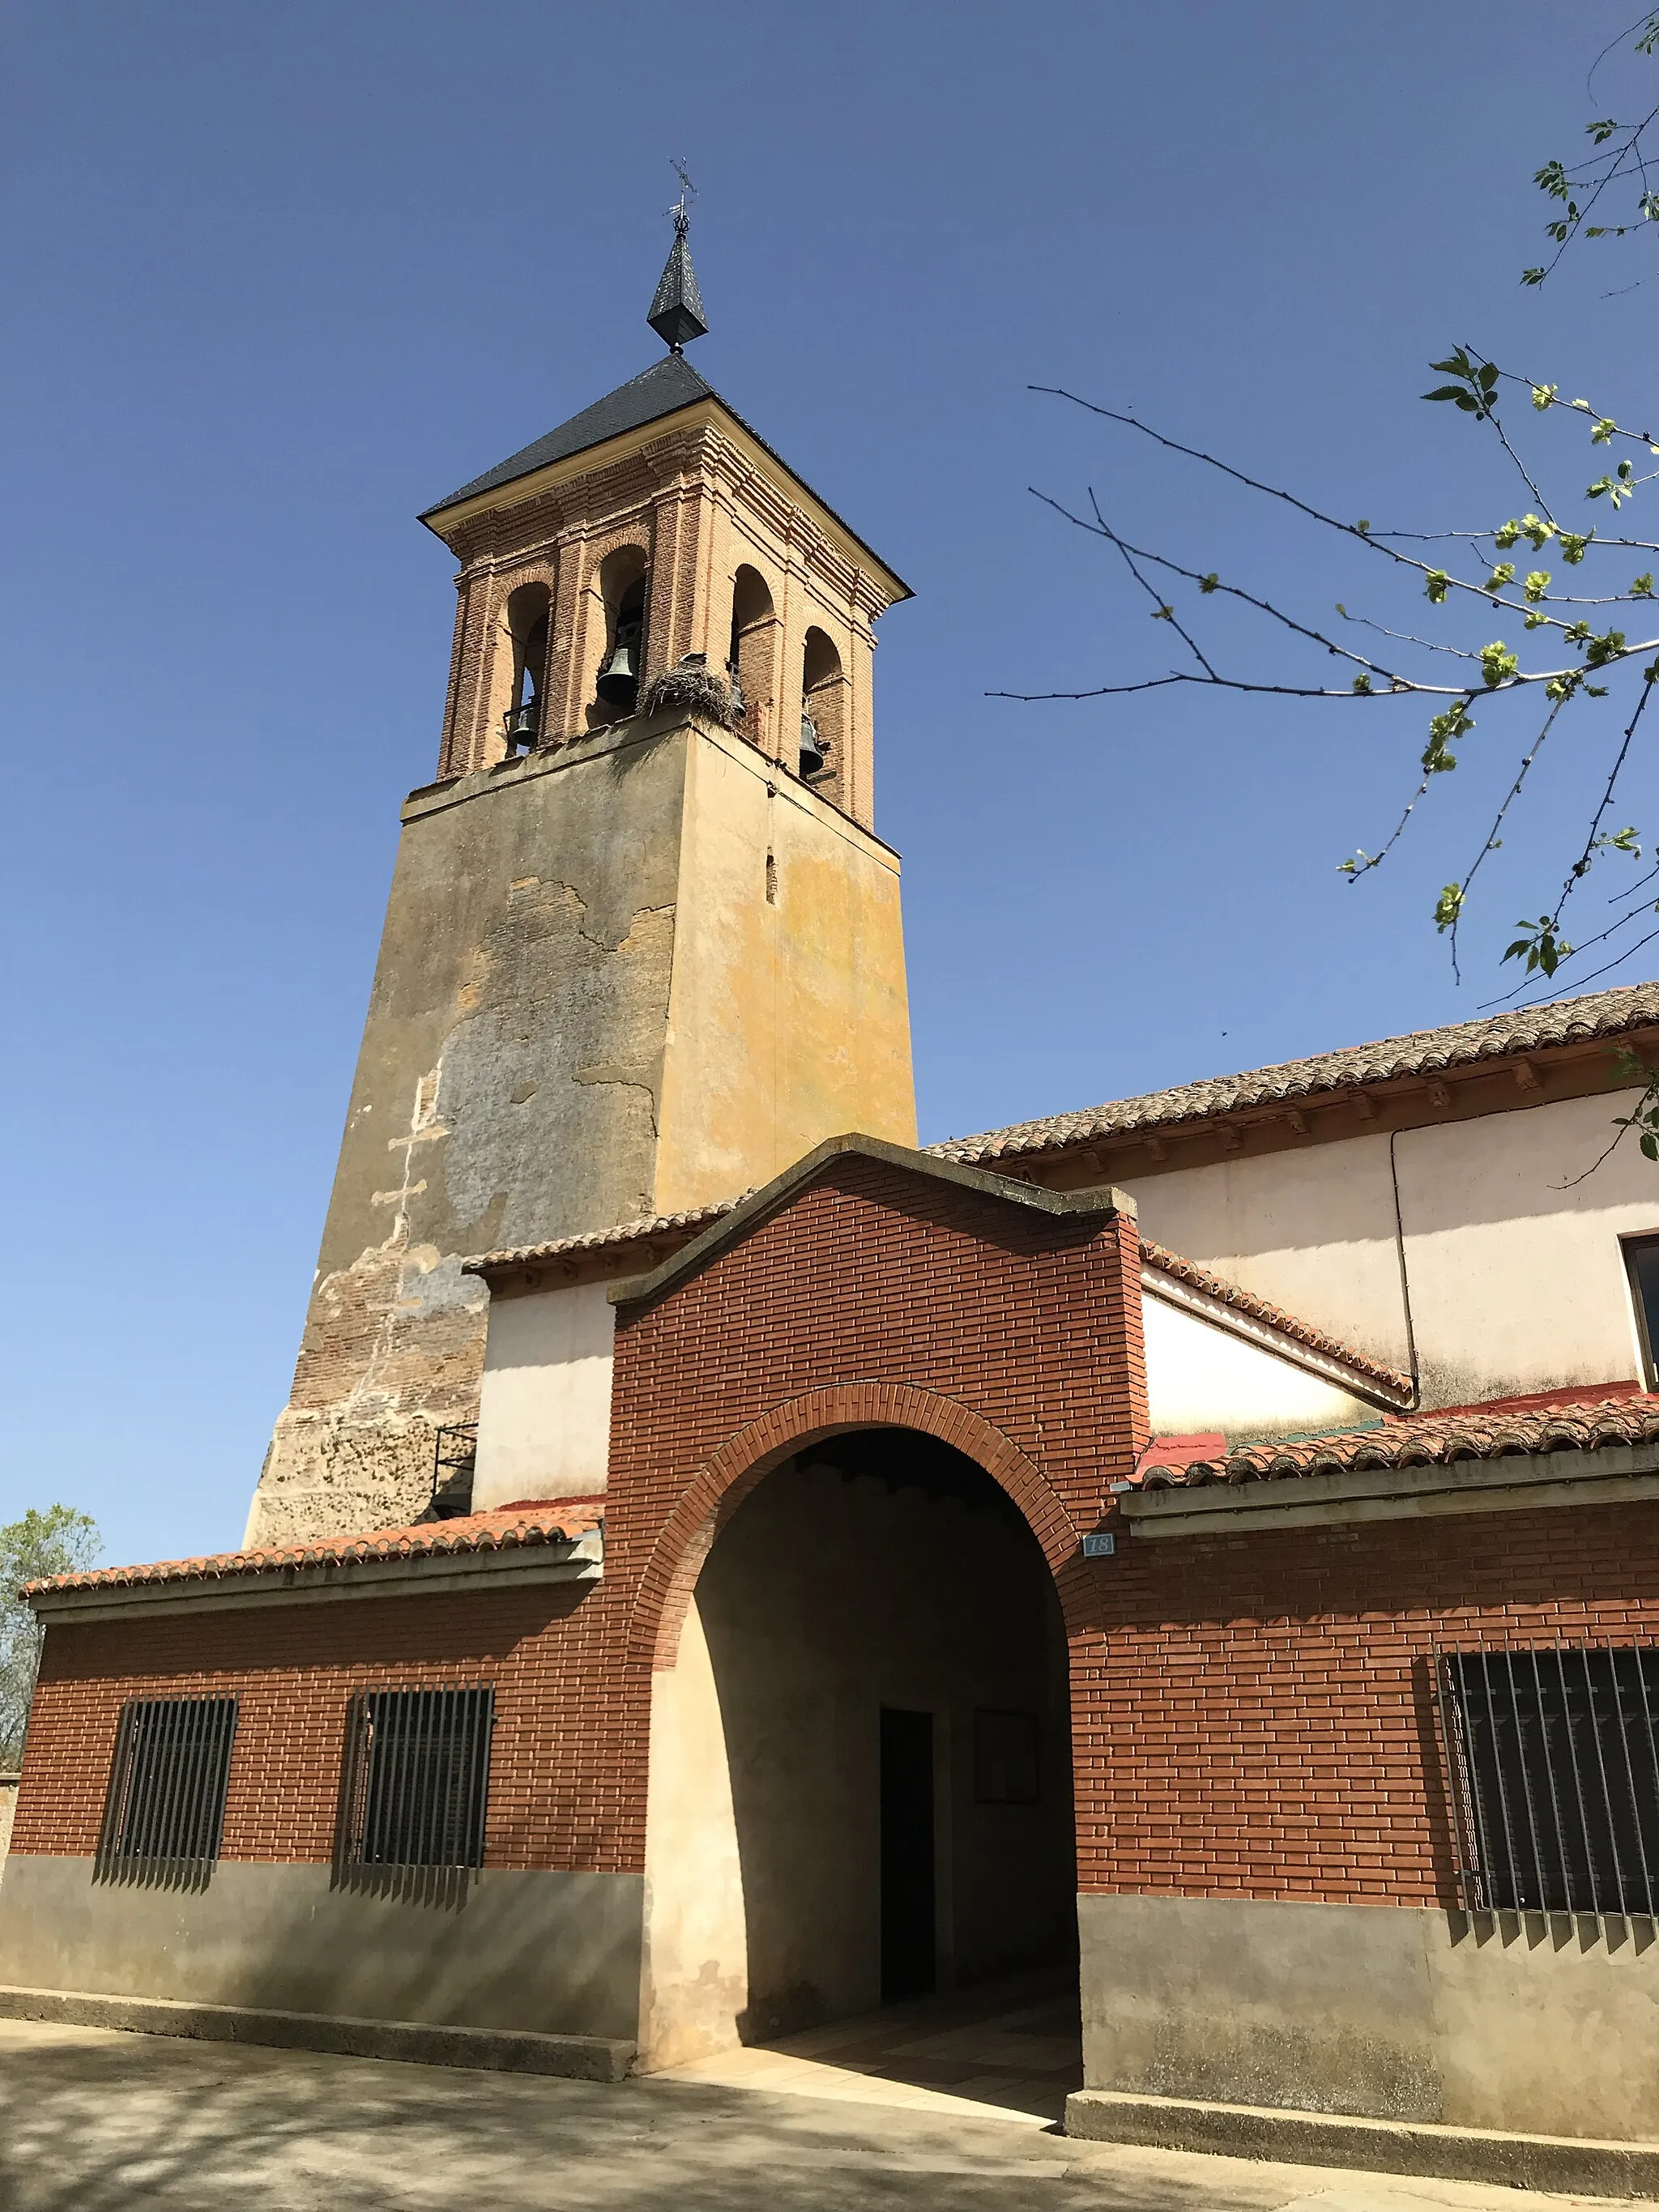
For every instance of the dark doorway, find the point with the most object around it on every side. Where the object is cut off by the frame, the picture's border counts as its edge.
(885, 1646)
(907, 1854)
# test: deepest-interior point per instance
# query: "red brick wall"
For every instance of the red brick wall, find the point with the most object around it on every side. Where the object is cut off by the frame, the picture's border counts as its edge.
(294, 1669)
(878, 1296)
(1252, 1716)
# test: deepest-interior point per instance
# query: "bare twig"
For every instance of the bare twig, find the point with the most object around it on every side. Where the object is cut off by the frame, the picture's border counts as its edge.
(1583, 861)
(1513, 794)
(1166, 612)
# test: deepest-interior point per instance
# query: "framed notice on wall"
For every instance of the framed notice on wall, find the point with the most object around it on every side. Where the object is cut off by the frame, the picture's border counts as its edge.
(1008, 1758)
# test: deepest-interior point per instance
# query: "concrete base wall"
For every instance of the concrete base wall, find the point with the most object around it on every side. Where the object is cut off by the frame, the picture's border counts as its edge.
(543, 1953)
(1387, 2012)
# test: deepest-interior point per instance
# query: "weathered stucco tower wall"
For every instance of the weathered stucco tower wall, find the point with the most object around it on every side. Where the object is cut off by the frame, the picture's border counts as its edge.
(640, 968)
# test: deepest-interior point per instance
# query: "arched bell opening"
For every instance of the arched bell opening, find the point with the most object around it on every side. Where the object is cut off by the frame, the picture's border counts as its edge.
(752, 654)
(624, 590)
(861, 1773)
(823, 712)
(527, 611)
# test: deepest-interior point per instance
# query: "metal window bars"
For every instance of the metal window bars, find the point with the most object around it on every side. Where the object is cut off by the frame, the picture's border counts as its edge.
(417, 1778)
(164, 1813)
(454, 1460)
(1552, 1768)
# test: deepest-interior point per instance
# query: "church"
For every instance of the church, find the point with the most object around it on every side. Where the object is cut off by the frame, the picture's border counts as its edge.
(724, 1568)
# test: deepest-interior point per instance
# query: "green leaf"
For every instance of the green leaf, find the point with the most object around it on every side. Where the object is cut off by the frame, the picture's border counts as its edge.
(1434, 585)
(1208, 583)
(1450, 392)
(1447, 907)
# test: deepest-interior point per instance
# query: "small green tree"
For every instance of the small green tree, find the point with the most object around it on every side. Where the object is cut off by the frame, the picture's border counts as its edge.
(59, 1541)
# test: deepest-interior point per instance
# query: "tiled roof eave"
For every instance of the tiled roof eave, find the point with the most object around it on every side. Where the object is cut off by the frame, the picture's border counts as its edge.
(487, 1545)
(1581, 1426)
(622, 1239)
(1510, 1481)
(1597, 1016)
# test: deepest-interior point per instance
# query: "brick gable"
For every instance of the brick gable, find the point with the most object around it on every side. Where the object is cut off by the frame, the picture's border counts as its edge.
(878, 1296)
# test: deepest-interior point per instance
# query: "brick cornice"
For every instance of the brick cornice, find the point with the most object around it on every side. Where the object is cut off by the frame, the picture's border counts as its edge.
(751, 1453)
(520, 528)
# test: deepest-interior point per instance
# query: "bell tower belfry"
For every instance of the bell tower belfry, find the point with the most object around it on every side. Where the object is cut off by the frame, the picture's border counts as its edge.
(642, 948)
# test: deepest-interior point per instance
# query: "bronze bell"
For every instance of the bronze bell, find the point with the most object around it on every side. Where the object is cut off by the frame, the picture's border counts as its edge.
(813, 757)
(619, 680)
(522, 724)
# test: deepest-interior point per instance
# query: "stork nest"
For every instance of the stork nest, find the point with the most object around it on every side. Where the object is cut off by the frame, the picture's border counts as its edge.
(691, 687)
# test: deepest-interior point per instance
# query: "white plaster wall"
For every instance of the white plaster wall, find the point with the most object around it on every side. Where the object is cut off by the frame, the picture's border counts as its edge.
(1517, 1283)
(695, 1979)
(544, 1407)
(1312, 1230)
(1201, 1377)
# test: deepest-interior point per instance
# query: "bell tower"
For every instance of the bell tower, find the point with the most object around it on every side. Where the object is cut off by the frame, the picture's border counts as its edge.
(643, 947)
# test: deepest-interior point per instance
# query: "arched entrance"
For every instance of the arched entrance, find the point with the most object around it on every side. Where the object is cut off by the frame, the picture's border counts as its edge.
(861, 1776)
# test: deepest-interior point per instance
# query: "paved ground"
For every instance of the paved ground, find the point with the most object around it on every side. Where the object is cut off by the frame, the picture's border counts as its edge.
(92, 2120)
(1008, 2052)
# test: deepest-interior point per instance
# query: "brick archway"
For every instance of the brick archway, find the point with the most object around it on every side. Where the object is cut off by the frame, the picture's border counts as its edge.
(749, 1456)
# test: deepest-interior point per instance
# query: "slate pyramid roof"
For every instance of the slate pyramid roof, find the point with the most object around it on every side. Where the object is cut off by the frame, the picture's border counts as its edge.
(664, 389)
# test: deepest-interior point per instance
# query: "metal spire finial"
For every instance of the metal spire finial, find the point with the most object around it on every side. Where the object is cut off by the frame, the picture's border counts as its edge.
(677, 314)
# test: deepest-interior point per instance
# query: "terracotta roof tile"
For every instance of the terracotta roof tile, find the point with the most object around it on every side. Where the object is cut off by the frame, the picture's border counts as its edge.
(1491, 1431)
(554, 1521)
(605, 1240)
(1246, 1301)
(1424, 1052)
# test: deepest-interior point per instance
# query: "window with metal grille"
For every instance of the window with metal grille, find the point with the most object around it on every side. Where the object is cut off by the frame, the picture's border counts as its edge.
(418, 1777)
(166, 1808)
(1554, 1777)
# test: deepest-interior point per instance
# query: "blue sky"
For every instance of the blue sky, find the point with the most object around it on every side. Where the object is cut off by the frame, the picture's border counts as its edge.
(276, 277)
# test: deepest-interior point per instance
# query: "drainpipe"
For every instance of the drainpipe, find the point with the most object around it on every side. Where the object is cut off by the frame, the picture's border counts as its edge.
(1405, 1280)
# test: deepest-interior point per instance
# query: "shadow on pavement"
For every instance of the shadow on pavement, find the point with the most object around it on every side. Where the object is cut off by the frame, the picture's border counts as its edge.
(92, 2120)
